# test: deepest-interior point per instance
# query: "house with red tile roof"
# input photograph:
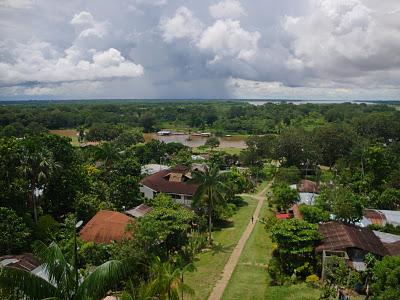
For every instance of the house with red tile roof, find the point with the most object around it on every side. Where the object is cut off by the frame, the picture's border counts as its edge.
(174, 182)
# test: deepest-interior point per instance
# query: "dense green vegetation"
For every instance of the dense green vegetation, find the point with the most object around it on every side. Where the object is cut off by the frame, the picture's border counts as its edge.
(221, 117)
(47, 184)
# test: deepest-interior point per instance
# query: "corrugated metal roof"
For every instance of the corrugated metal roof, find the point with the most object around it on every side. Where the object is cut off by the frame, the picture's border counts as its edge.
(393, 248)
(339, 236)
(392, 216)
(160, 182)
(26, 261)
(106, 226)
(387, 237)
(308, 186)
(382, 217)
(139, 211)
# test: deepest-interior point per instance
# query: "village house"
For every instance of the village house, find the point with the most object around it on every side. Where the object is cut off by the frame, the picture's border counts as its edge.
(174, 182)
(105, 227)
(356, 242)
(308, 191)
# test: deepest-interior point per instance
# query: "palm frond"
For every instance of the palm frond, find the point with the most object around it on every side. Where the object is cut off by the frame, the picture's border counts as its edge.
(101, 280)
(18, 281)
(60, 272)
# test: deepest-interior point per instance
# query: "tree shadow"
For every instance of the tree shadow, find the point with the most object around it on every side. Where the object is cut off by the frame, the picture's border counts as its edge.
(223, 224)
(218, 248)
(239, 202)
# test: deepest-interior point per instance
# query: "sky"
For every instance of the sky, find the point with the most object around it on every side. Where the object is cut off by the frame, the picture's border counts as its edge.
(208, 49)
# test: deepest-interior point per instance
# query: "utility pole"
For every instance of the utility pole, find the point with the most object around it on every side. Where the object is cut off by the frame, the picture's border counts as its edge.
(77, 225)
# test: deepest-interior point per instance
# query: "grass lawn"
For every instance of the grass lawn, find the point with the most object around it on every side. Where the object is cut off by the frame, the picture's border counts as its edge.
(231, 150)
(211, 264)
(292, 292)
(250, 279)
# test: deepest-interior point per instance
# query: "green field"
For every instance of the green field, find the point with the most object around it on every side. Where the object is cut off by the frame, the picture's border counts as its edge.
(211, 264)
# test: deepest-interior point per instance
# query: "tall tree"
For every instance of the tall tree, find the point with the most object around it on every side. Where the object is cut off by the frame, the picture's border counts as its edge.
(37, 165)
(296, 240)
(210, 192)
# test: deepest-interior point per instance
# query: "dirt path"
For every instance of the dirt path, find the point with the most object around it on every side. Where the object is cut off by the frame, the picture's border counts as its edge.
(220, 286)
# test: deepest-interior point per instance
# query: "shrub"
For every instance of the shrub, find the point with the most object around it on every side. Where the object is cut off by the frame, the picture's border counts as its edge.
(46, 228)
(14, 234)
(284, 196)
(92, 254)
(313, 214)
(312, 280)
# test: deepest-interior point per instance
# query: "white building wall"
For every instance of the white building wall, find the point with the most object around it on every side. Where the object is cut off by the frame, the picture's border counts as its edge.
(147, 192)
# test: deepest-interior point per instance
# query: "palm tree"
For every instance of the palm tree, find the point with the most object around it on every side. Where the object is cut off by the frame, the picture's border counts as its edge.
(37, 167)
(62, 284)
(167, 280)
(210, 191)
(165, 283)
(108, 153)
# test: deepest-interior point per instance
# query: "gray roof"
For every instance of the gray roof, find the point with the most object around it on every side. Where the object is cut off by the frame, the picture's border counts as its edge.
(392, 216)
(139, 211)
(387, 237)
(150, 169)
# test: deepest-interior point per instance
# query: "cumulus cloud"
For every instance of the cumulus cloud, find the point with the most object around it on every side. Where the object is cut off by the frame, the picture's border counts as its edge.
(36, 61)
(344, 38)
(88, 26)
(227, 9)
(228, 38)
(244, 89)
(41, 63)
(182, 25)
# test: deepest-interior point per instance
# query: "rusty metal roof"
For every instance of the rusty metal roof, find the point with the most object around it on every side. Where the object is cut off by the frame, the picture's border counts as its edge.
(106, 226)
(139, 211)
(393, 248)
(308, 186)
(339, 236)
(26, 261)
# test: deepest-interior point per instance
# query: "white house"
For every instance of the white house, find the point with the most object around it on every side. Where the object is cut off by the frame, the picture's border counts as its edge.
(173, 182)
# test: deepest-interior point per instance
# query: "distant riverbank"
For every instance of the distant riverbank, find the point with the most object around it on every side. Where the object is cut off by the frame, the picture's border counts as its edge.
(299, 102)
(238, 142)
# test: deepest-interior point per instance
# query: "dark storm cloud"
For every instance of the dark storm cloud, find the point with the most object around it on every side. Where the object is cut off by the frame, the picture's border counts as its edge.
(199, 49)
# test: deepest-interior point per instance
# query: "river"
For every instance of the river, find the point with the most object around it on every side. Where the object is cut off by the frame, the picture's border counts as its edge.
(196, 141)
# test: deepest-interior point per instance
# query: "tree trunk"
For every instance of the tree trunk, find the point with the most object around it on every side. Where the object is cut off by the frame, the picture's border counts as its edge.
(210, 208)
(209, 226)
(34, 207)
